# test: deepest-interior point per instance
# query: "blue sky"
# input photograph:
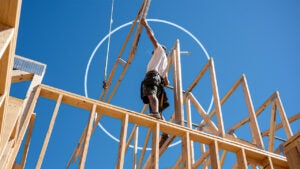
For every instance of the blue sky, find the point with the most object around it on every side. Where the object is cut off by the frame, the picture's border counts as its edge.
(257, 38)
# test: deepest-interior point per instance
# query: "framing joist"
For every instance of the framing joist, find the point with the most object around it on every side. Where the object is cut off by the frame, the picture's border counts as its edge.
(164, 126)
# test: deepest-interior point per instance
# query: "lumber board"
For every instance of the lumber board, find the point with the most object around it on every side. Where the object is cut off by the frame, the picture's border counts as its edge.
(122, 143)
(178, 99)
(112, 73)
(155, 147)
(202, 113)
(224, 99)
(292, 149)
(279, 125)
(28, 139)
(284, 120)
(144, 149)
(9, 12)
(20, 76)
(135, 149)
(216, 98)
(14, 107)
(199, 76)
(49, 132)
(241, 159)
(6, 35)
(133, 48)
(272, 129)
(186, 151)
(167, 127)
(214, 155)
(253, 120)
(28, 112)
(87, 137)
(257, 112)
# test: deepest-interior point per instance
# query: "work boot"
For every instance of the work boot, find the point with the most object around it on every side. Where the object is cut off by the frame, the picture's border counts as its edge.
(155, 115)
(164, 138)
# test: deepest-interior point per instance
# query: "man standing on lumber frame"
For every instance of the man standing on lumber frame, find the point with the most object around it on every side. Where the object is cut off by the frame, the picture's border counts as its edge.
(152, 87)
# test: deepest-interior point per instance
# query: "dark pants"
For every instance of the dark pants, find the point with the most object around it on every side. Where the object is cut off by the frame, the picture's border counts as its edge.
(153, 84)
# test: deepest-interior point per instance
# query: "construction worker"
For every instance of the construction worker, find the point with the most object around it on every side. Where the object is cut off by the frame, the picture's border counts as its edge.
(152, 87)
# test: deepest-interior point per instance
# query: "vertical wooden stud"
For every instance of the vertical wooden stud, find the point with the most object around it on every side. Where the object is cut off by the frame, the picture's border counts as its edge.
(87, 137)
(214, 155)
(272, 128)
(49, 132)
(135, 150)
(144, 148)
(28, 138)
(189, 122)
(155, 146)
(186, 151)
(178, 100)
(241, 159)
(122, 144)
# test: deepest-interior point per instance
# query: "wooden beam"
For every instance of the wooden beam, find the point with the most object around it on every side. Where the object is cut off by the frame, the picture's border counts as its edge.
(272, 128)
(178, 100)
(186, 151)
(202, 113)
(6, 35)
(9, 12)
(223, 156)
(21, 76)
(5, 70)
(253, 120)
(214, 155)
(189, 123)
(241, 159)
(87, 137)
(257, 113)
(155, 147)
(135, 127)
(133, 47)
(216, 98)
(199, 76)
(167, 127)
(279, 126)
(267, 163)
(14, 107)
(49, 132)
(144, 148)
(201, 159)
(31, 105)
(112, 73)
(122, 143)
(188, 113)
(224, 99)
(9, 19)
(178, 162)
(28, 140)
(79, 148)
(135, 149)
(148, 163)
(284, 120)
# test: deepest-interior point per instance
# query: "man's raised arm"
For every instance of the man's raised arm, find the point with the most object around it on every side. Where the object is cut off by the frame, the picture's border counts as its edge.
(150, 33)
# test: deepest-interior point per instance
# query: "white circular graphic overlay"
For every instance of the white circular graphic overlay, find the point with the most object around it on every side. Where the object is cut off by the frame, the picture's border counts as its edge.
(114, 31)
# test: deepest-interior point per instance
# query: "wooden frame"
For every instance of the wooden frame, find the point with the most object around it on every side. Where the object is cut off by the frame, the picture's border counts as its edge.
(167, 127)
(212, 136)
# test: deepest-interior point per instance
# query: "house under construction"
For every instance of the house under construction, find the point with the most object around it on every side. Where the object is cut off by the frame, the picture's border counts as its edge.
(18, 115)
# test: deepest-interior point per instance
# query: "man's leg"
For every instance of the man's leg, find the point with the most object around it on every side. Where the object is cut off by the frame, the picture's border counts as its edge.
(153, 102)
